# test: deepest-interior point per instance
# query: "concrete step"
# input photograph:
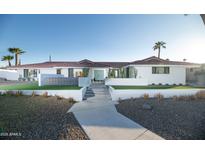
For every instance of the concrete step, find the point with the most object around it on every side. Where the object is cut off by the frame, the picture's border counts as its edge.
(89, 92)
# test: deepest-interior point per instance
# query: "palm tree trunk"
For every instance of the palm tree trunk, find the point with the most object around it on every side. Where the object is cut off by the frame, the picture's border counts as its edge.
(16, 59)
(159, 53)
(9, 62)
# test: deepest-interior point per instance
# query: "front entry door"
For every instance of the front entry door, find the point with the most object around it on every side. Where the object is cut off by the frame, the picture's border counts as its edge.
(99, 74)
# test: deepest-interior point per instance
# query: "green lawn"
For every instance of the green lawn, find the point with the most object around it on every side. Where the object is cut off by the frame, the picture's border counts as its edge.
(36, 87)
(154, 87)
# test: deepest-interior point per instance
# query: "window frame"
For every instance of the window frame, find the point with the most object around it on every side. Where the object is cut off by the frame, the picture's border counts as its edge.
(155, 70)
(59, 69)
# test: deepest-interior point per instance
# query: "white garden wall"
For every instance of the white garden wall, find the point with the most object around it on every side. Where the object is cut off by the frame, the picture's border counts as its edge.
(126, 81)
(9, 74)
(42, 78)
(84, 81)
(75, 94)
(136, 93)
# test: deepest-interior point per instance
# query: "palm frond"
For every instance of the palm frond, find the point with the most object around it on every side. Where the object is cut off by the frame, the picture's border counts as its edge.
(6, 58)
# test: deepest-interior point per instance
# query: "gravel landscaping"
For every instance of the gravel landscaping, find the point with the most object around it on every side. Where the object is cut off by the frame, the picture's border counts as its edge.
(38, 117)
(171, 119)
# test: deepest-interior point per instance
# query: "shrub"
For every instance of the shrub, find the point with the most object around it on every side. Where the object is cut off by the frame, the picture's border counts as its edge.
(159, 96)
(146, 96)
(174, 84)
(180, 84)
(192, 97)
(45, 94)
(3, 93)
(175, 98)
(33, 94)
(153, 84)
(200, 94)
(182, 98)
(10, 93)
(167, 84)
(19, 93)
(71, 100)
(59, 97)
(160, 84)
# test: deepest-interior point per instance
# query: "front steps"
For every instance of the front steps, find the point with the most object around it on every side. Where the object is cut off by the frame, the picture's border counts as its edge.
(97, 92)
(89, 93)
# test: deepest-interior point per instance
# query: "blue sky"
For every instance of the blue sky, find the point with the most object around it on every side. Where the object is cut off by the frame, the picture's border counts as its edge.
(102, 37)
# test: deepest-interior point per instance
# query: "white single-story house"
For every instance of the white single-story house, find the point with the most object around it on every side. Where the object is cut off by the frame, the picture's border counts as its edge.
(148, 71)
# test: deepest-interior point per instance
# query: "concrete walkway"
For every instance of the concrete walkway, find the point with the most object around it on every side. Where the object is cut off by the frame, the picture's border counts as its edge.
(100, 120)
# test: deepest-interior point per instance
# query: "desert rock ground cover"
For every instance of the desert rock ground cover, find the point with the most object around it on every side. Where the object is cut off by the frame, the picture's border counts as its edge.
(38, 117)
(171, 119)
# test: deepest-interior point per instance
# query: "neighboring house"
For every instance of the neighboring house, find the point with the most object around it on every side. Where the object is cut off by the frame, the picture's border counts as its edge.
(151, 70)
(196, 76)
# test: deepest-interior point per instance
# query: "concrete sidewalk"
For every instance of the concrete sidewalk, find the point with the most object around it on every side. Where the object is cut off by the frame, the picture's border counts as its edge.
(101, 121)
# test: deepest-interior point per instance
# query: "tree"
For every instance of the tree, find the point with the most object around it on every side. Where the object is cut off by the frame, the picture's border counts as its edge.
(16, 52)
(7, 58)
(159, 45)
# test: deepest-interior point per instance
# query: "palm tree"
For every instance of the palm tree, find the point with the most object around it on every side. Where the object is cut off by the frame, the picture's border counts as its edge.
(8, 58)
(16, 52)
(159, 45)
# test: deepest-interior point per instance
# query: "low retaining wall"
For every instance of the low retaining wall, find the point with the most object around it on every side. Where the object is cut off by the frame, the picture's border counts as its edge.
(84, 81)
(75, 94)
(125, 81)
(135, 93)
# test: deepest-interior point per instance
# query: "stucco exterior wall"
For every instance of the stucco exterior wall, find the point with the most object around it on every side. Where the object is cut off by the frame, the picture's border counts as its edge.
(9, 74)
(177, 75)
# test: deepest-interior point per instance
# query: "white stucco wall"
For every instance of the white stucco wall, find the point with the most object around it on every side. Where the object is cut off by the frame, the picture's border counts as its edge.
(136, 93)
(9, 74)
(20, 72)
(75, 94)
(126, 81)
(47, 70)
(84, 81)
(177, 74)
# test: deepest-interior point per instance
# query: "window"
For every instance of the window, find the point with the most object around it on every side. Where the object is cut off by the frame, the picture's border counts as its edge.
(58, 71)
(70, 72)
(160, 70)
(79, 74)
(25, 73)
(33, 73)
(116, 73)
(132, 72)
(127, 72)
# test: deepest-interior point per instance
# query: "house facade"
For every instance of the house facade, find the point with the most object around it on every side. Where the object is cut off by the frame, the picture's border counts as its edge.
(148, 71)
